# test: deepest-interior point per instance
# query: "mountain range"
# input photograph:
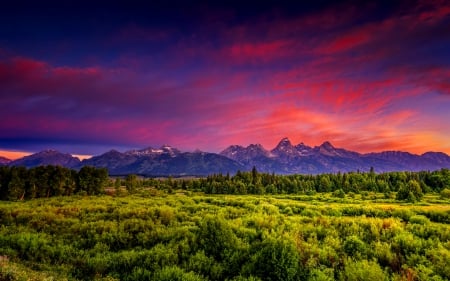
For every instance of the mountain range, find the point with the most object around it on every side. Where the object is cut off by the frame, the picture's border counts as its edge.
(285, 158)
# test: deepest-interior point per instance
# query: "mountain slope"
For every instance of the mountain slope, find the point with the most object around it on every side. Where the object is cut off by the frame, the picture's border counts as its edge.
(285, 158)
(113, 160)
(164, 161)
(47, 157)
(187, 163)
(4, 161)
(413, 162)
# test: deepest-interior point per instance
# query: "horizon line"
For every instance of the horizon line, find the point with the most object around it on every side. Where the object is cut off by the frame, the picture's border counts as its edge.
(18, 154)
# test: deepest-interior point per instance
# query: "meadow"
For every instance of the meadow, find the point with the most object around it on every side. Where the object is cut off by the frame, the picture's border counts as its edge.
(179, 234)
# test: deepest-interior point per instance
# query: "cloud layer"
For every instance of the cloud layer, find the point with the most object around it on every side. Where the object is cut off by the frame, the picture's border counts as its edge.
(366, 78)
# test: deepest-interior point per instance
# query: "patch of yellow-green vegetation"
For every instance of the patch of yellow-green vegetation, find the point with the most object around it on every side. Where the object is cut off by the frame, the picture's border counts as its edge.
(224, 237)
(13, 271)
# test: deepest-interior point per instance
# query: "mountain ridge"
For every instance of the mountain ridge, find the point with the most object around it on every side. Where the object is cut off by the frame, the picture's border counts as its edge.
(284, 158)
(326, 158)
(47, 157)
(4, 161)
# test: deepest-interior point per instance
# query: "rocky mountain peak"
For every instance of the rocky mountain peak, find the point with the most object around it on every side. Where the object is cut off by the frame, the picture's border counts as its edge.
(285, 148)
(237, 152)
(285, 140)
(150, 151)
(284, 144)
(169, 150)
(303, 149)
(328, 149)
(284, 159)
(327, 145)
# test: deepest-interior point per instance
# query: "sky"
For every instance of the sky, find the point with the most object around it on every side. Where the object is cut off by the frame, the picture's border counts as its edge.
(84, 77)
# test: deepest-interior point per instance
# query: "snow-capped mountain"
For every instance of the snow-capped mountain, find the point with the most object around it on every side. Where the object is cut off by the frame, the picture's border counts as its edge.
(285, 158)
(163, 161)
(303, 149)
(150, 151)
(239, 152)
(285, 150)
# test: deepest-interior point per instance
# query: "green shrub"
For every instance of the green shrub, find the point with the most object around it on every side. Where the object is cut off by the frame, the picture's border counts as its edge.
(321, 274)
(410, 192)
(339, 193)
(275, 260)
(419, 219)
(309, 213)
(404, 214)
(175, 273)
(354, 247)
(242, 278)
(207, 266)
(363, 270)
(445, 193)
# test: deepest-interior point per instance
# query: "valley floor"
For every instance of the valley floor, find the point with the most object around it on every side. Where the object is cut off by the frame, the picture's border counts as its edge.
(192, 236)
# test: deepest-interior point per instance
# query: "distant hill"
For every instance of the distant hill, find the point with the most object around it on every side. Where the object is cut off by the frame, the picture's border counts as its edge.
(47, 157)
(4, 161)
(162, 162)
(285, 158)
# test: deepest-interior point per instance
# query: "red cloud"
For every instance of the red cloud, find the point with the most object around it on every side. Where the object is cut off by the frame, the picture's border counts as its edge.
(245, 52)
(347, 41)
(433, 11)
(313, 78)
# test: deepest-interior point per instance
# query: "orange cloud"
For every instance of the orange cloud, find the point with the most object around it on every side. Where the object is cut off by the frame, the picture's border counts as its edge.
(13, 155)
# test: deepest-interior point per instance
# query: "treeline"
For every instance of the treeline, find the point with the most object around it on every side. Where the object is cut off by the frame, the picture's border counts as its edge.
(18, 183)
(406, 184)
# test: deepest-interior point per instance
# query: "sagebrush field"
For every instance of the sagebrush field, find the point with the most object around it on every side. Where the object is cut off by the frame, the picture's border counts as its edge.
(153, 235)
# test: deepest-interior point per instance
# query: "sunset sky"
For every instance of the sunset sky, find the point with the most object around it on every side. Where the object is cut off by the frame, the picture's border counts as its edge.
(85, 78)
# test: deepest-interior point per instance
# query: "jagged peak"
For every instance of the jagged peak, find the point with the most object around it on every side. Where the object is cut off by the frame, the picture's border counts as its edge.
(284, 142)
(235, 146)
(302, 145)
(150, 150)
(327, 144)
(257, 145)
(167, 149)
(232, 148)
(285, 147)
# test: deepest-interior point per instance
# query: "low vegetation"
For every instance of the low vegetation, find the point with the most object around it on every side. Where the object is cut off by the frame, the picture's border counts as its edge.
(186, 236)
(152, 229)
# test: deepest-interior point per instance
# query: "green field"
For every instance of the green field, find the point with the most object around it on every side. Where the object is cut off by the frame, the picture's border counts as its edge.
(154, 235)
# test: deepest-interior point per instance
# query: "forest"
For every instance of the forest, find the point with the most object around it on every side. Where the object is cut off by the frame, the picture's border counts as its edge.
(59, 224)
(19, 183)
